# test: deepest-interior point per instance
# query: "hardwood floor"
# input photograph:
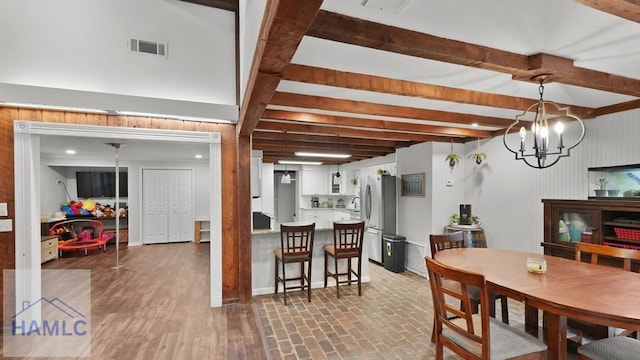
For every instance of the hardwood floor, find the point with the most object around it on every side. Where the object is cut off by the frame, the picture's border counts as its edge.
(156, 306)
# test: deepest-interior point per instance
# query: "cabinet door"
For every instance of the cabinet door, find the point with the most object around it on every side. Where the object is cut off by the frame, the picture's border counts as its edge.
(341, 215)
(325, 215)
(575, 225)
(314, 182)
(335, 183)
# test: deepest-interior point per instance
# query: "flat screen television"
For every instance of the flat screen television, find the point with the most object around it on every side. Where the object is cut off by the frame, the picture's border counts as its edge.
(92, 184)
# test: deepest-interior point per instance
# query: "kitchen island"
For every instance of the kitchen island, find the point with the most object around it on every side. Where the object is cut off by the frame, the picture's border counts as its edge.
(263, 260)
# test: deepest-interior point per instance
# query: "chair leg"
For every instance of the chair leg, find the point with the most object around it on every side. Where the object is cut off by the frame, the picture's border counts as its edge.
(308, 280)
(336, 272)
(276, 281)
(284, 284)
(349, 271)
(359, 276)
(326, 269)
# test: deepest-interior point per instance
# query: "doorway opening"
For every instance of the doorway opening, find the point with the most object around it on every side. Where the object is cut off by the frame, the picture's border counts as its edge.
(285, 197)
(27, 193)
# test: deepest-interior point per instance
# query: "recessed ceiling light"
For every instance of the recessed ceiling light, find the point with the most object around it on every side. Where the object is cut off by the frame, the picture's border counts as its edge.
(198, 156)
(326, 155)
(70, 151)
(474, 124)
(296, 162)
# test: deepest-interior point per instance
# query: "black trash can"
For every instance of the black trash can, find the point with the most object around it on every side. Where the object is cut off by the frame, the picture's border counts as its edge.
(393, 252)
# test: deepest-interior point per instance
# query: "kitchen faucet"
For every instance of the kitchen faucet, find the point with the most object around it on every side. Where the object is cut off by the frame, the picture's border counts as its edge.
(354, 199)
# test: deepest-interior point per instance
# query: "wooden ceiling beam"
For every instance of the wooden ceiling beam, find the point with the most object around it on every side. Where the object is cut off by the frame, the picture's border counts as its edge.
(231, 5)
(354, 31)
(368, 108)
(349, 30)
(627, 9)
(269, 135)
(329, 77)
(373, 124)
(321, 147)
(284, 24)
(346, 131)
(275, 157)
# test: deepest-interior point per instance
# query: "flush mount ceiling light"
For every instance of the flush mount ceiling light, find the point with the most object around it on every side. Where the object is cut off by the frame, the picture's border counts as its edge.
(70, 151)
(325, 155)
(543, 154)
(296, 162)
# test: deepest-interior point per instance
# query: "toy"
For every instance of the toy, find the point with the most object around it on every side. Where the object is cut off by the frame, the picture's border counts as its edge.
(89, 205)
(108, 211)
(122, 212)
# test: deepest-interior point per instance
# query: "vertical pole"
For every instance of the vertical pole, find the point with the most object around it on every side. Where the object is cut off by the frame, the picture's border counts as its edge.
(116, 146)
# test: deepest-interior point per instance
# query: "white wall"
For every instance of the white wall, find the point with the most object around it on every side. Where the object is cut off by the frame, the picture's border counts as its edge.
(201, 190)
(251, 13)
(507, 194)
(52, 194)
(83, 45)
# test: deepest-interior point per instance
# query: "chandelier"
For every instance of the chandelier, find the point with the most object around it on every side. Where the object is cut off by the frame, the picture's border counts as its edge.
(546, 149)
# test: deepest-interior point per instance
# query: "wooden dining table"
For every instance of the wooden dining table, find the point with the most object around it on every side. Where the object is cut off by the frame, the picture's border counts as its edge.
(595, 293)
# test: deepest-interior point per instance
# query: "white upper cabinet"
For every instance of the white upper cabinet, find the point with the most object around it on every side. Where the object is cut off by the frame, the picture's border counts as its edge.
(315, 181)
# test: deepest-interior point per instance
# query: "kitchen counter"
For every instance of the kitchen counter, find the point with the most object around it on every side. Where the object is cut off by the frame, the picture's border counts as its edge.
(263, 261)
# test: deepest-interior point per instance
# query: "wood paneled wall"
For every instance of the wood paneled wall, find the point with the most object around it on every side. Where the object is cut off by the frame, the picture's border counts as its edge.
(230, 239)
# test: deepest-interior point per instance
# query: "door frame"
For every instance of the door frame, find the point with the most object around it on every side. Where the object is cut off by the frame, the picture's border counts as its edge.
(26, 137)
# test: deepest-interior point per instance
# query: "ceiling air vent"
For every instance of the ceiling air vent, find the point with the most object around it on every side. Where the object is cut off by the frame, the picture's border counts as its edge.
(148, 47)
(392, 6)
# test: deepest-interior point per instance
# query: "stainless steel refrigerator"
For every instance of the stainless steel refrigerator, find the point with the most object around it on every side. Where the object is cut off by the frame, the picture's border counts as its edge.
(379, 211)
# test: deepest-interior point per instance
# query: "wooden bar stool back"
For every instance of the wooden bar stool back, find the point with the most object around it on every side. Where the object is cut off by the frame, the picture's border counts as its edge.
(296, 246)
(347, 244)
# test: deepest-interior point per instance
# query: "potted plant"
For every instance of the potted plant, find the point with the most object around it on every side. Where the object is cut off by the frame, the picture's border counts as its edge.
(478, 156)
(354, 180)
(452, 158)
(601, 187)
(454, 219)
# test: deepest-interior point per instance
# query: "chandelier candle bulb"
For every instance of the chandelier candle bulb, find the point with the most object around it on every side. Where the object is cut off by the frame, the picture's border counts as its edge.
(540, 156)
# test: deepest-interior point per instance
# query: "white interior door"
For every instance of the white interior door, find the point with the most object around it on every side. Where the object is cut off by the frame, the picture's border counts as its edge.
(155, 207)
(168, 206)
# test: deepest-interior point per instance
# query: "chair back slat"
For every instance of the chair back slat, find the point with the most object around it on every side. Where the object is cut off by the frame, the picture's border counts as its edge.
(596, 251)
(452, 240)
(297, 239)
(449, 314)
(348, 236)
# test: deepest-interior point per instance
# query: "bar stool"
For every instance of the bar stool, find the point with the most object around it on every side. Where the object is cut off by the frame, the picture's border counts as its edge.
(347, 244)
(296, 246)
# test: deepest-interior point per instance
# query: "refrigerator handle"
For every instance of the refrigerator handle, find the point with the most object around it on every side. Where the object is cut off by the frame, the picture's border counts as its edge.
(367, 202)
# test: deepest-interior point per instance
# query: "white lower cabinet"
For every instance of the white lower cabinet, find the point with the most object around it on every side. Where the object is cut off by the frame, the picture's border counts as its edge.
(340, 215)
(317, 216)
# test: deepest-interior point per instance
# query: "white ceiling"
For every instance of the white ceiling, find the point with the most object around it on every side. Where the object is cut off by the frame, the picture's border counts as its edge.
(566, 28)
(134, 150)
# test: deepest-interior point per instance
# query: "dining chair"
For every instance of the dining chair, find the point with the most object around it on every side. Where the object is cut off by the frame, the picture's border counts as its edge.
(603, 255)
(469, 335)
(347, 244)
(458, 239)
(296, 246)
(614, 348)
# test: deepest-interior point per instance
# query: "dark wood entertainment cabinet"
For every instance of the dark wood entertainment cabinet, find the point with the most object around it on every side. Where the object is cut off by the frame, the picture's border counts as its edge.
(604, 222)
